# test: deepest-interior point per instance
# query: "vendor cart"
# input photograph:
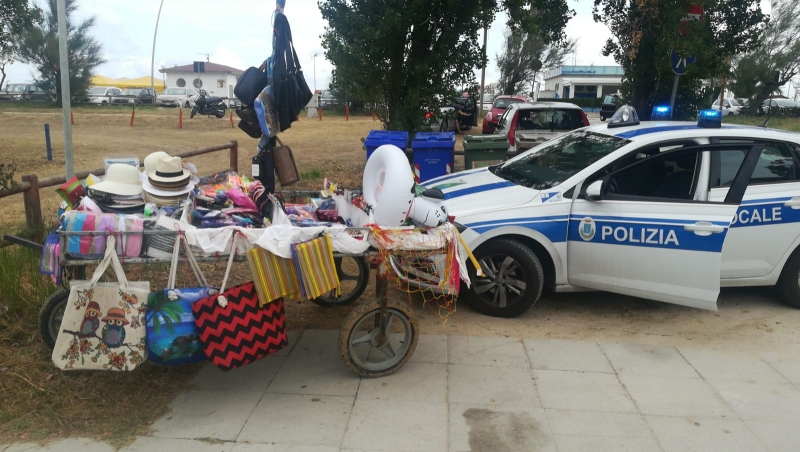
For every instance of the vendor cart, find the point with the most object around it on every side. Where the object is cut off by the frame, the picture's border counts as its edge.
(377, 337)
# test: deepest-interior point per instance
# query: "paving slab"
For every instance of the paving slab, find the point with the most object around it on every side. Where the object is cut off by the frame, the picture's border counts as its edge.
(396, 426)
(682, 434)
(648, 360)
(669, 396)
(64, 445)
(585, 391)
(487, 351)
(778, 436)
(421, 382)
(567, 355)
(253, 447)
(761, 402)
(251, 378)
(206, 414)
(787, 364)
(431, 348)
(723, 365)
(151, 443)
(606, 443)
(498, 428)
(491, 386)
(321, 343)
(310, 373)
(593, 423)
(298, 419)
(293, 337)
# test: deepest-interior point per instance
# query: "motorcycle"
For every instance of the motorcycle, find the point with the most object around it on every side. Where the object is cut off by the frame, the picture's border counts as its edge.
(205, 105)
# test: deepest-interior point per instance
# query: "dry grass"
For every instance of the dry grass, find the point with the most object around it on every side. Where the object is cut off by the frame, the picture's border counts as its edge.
(792, 124)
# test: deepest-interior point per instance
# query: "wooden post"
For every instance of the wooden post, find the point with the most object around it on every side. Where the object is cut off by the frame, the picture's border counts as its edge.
(72, 118)
(232, 126)
(373, 115)
(319, 111)
(33, 206)
(133, 114)
(347, 112)
(234, 156)
(180, 119)
(47, 142)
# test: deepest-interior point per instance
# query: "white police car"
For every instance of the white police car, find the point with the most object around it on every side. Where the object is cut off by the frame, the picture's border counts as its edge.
(668, 211)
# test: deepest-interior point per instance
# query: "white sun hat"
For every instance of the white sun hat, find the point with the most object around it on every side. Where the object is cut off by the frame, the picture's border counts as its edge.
(120, 180)
(169, 174)
(151, 161)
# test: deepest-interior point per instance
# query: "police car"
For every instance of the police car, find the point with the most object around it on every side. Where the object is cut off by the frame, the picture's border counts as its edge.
(663, 210)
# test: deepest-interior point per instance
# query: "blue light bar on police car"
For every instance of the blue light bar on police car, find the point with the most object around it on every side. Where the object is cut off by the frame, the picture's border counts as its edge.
(661, 112)
(711, 119)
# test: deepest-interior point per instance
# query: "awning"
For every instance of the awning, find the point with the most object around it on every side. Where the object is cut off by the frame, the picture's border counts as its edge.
(141, 82)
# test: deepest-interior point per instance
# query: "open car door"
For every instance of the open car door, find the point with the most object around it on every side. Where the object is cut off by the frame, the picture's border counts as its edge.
(648, 229)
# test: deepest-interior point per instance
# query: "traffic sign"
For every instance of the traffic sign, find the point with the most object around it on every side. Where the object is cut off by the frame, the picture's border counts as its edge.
(679, 63)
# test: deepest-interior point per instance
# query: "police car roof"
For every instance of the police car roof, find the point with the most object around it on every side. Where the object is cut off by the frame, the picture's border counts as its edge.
(649, 130)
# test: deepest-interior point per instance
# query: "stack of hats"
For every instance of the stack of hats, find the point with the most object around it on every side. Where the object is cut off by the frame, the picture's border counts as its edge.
(168, 183)
(121, 190)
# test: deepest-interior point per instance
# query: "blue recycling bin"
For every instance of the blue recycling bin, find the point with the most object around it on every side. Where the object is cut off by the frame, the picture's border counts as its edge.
(378, 138)
(434, 154)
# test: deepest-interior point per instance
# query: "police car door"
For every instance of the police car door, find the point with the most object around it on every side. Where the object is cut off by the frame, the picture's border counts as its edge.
(647, 229)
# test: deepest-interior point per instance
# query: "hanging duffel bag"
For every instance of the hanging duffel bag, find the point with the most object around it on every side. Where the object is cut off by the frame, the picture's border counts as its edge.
(250, 84)
(285, 166)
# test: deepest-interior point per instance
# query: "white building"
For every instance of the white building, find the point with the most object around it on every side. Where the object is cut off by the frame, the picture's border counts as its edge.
(566, 82)
(217, 80)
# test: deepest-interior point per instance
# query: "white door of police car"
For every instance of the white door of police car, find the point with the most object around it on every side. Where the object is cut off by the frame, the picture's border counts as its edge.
(644, 230)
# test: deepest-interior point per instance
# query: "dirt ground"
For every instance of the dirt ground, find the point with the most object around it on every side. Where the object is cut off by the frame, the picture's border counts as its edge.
(748, 318)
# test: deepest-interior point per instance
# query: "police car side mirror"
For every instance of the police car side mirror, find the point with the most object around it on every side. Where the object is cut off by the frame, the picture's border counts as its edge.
(594, 191)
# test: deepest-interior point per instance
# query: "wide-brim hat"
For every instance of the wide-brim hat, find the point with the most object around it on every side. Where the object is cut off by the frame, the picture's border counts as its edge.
(120, 180)
(151, 189)
(169, 174)
(151, 161)
(93, 306)
(115, 314)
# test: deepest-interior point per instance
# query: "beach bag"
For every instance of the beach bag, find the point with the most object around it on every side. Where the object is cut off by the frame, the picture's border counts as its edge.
(316, 269)
(250, 84)
(285, 166)
(103, 326)
(172, 336)
(275, 277)
(234, 329)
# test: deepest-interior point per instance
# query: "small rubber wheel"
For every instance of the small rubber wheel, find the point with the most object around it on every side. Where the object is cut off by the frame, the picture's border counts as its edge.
(354, 277)
(512, 279)
(369, 353)
(788, 286)
(51, 315)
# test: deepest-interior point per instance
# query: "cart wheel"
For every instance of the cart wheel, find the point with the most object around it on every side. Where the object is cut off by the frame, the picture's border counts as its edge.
(371, 354)
(51, 315)
(353, 275)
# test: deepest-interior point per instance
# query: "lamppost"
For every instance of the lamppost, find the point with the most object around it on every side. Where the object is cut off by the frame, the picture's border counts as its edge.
(153, 55)
(314, 62)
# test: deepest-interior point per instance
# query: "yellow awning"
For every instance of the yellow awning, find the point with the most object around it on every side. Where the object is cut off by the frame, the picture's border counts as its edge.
(141, 82)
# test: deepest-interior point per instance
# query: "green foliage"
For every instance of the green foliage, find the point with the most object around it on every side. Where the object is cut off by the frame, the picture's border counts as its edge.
(38, 47)
(15, 17)
(778, 50)
(410, 55)
(520, 52)
(644, 33)
(7, 181)
(23, 288)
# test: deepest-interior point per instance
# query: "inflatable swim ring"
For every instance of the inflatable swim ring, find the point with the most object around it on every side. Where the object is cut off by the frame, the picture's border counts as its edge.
(388, 185)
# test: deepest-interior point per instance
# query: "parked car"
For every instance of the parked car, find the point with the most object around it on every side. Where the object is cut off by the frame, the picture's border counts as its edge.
(609, 106)
(135, 96)
(444, 120)
(100, 95)
(24, 92)
(528, 124)
(659, 211)
(729, 106)
(486, 104)
(176, 97)
(326, 100)
(777, 105)
(497, 109)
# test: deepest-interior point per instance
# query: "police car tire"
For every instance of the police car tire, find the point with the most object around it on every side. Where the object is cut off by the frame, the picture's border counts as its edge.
(531, 266)
(788, 285)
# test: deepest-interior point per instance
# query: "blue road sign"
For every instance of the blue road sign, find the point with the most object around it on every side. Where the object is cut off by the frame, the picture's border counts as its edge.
(199, 66)
(679, 63)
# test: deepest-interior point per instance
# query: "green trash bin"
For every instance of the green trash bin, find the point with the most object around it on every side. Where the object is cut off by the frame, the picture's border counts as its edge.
(484, 150)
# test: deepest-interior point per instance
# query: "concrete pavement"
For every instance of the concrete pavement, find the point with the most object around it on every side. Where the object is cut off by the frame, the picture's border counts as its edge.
(476, 394)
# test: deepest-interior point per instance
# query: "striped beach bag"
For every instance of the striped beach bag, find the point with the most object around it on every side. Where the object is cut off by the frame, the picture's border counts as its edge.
(274, 276)
(315, 267)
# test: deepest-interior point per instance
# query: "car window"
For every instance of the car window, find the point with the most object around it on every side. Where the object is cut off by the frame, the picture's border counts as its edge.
(775, 165)
(555, 161)
(549, 119)
(501, 123)
(609, 100)
(503, 103)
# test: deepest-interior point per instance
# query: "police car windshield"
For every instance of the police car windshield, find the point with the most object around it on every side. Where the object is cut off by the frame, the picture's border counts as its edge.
(557, 160)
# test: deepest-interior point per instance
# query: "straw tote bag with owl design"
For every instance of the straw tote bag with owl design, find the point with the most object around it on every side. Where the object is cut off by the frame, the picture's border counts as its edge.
(104, 323)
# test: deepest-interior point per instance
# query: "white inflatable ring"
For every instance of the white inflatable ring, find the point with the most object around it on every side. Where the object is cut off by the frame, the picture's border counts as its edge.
(388, 185)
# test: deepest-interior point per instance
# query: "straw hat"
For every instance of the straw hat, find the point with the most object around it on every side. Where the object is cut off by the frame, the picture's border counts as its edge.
(120, 180)
(151, 161)
(169, 174)
(115, 314)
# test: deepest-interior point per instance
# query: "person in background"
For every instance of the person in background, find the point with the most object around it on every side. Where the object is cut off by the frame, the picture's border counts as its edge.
(460, 113)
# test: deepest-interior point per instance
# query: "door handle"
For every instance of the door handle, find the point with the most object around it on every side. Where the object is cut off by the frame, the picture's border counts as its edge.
(794, 203)
(704, 228)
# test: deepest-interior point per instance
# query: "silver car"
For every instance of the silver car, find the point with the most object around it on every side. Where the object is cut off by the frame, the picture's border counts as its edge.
(176, 97)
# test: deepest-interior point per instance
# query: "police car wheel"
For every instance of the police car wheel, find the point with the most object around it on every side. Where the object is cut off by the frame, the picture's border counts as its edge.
(512, 279)
(789, 283)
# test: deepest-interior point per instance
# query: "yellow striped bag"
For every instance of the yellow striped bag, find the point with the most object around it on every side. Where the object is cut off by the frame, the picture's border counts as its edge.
(274, 276)
(315, 267)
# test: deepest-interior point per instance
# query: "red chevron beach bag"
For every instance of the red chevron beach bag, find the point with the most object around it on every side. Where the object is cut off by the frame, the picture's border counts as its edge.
(234, 329)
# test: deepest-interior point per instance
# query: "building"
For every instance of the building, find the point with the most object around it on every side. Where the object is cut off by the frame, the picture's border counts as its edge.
(216, 79)
(566, 82)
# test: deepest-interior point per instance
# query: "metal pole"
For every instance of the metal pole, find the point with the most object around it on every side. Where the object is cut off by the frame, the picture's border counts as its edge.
(66, 107)
(314, 62)
(483, 71)
(722, 89)
(674, 93)
(47, 142)
(153, 55)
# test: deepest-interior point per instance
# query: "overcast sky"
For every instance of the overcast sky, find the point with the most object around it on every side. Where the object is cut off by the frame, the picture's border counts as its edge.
(238, 33)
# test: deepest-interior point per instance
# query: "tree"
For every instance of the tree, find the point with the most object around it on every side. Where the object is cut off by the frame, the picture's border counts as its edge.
(778, 51)
(644, 32)
(39, 48)
(410, 54)
(520, 52)
(15, 17)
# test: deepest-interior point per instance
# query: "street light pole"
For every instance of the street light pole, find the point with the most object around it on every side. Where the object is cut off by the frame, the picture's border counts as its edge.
(314, 62)
(66, 106)
(153, 55)
(483, 71)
